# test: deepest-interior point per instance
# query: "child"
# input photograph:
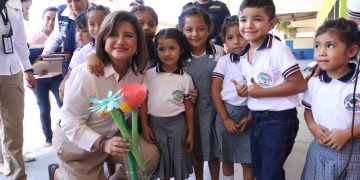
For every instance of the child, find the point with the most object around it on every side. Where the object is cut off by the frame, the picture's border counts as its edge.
(274, 79)
(78, 136)
(95, 16)
(148, 20)
(195, 23)
(330, 119)
(171, 117)
(83, 37)
(233, 115)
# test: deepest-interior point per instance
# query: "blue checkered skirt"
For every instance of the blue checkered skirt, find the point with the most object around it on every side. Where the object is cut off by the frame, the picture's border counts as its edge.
(323, 163)
(234, 147)
(170, 138)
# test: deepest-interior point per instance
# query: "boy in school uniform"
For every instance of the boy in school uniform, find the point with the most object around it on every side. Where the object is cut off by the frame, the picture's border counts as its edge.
(273, 81)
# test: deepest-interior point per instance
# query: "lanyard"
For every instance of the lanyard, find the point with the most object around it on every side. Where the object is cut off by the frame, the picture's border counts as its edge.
(6, 20)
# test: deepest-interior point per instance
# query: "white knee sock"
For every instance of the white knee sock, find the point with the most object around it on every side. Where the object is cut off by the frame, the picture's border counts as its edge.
(228, 177)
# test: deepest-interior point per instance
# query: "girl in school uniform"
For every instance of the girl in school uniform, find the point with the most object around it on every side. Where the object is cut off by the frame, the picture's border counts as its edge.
(233, 117)
(168, 118)
(195, 23)
(331, 104)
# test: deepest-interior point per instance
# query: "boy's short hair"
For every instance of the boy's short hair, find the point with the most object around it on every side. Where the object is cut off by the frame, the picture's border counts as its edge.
(268, 6)
(81, 21)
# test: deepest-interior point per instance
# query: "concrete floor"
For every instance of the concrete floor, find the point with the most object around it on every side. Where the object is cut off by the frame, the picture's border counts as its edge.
(34, 139)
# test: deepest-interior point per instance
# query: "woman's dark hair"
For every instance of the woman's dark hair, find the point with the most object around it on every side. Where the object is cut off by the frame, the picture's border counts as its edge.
(142, 8)
(179, 37)
(346, 30)
(81, 21)
(229, 22)
(268, 6)
(194, 11)
(109, 25)
(49, 9)
(99, 7)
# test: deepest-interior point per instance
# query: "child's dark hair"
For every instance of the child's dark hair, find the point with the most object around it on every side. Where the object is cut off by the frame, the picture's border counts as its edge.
(139, 59)
(229, 22)
(99, 7)
(81, 21)
(142, 8)
(179, 37)
(346, 30)
(49, 9)
(268, 6)
(194, 11)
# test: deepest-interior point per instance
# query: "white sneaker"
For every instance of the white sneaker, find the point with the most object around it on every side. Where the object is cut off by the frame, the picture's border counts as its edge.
(28, 158)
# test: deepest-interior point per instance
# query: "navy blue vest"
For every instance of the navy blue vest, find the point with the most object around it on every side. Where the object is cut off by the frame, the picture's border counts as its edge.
(68, 31)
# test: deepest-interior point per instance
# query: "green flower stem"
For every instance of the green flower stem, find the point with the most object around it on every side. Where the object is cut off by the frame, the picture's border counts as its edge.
(132, 166)
(120, 123)
(134, 129)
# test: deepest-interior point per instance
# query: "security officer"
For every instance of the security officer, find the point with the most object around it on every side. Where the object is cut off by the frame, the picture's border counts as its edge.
(218, 11)
(14, 65)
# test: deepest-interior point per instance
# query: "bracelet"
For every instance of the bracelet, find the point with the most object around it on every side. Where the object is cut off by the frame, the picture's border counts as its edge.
(102, 144)
(311, 126)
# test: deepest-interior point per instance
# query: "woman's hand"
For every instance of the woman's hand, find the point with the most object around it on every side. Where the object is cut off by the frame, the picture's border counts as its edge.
(189, 142)
(116, 146)
(337, 139)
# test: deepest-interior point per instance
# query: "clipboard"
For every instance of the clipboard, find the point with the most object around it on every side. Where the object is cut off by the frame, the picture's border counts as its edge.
(53, 66)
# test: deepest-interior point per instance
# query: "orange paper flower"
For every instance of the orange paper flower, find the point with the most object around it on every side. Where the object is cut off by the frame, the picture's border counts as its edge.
(134, 94)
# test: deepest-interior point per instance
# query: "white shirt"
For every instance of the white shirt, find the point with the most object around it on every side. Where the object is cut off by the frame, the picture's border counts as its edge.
(80, 54)
(227, 69)
(19, 60)
(81, 126)
(330, 101)
(37, 37)
(272, 63)
(167, 91)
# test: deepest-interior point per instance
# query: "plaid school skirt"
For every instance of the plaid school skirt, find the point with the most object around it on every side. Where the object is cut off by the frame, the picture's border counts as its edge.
(323, 163)
(170, 138)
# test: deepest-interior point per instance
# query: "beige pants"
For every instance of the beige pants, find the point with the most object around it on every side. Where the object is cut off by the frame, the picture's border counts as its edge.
(11, 123)
(78, 164)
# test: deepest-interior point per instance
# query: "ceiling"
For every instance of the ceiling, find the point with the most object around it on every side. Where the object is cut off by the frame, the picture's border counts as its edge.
(296, 16)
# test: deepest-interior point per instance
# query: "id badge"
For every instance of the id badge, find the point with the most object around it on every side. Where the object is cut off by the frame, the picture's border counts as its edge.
(7, 44)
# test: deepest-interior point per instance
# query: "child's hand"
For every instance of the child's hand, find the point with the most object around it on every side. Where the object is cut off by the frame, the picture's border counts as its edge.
(189, 142)
(254, 90)
(231, 126)
(95, 65)
(241, 89)
(242, 126)
(148, 134)
(337, 139)
(193, 95)
(319, 133)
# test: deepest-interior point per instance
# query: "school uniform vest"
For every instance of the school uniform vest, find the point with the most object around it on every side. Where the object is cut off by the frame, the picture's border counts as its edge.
(68, 30)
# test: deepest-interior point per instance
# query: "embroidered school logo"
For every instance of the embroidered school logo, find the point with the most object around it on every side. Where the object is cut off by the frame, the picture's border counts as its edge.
(178, 95)
(350, 102)
(264, 79)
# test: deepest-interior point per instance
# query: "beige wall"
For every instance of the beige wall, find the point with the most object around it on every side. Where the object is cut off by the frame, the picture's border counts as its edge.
(302, 43)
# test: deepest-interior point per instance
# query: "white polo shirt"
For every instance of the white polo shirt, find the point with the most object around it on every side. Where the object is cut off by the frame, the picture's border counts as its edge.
(80, 54)
(228, 68)
(167, 91)
(331, 100)
(273, 62)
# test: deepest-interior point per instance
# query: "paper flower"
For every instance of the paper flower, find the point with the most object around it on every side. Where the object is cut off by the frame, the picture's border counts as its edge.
(135, 95)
